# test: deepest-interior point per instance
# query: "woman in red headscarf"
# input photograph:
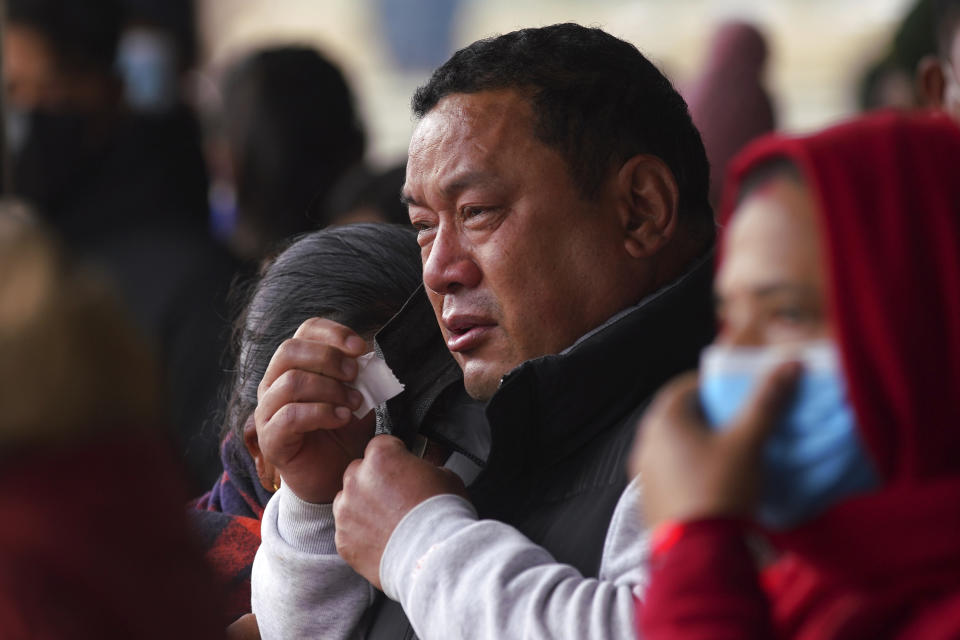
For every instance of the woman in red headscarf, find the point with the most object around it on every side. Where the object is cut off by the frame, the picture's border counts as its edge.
(824, 500)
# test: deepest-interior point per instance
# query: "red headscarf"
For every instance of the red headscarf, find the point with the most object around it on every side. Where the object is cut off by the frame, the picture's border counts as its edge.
(888, 188)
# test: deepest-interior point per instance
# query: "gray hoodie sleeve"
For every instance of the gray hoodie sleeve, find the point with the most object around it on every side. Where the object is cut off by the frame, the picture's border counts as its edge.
(300, 587)
(457, 576)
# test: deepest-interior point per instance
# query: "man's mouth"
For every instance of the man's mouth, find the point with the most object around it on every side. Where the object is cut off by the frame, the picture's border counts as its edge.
(466, 332)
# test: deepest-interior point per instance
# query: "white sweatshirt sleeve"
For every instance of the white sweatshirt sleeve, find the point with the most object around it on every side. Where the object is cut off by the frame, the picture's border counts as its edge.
(460, 577)
(300, 587)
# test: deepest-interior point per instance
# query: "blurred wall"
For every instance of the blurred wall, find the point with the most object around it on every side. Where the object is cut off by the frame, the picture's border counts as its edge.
(819, 47)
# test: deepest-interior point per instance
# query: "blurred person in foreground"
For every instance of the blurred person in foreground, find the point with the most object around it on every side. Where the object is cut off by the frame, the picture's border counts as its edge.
(560, 194)
(360, 276)
(288, 130)
(827, 503)
(124, 189)
(728, 101)
(937, 75)
(93, 540)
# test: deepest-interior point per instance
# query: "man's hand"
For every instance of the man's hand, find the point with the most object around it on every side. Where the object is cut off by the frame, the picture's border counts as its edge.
(304, 419)
(688, 471)
(377, 492)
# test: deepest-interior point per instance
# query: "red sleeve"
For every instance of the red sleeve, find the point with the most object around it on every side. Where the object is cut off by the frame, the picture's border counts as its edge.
(704, 584)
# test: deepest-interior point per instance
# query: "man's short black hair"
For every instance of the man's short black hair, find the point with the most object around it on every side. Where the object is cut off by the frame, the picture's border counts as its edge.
(596, 99)
(83, 33)
(946, 20)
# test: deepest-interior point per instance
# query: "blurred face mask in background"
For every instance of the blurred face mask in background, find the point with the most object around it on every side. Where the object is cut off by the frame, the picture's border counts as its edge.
(814, 457)
(147, 63)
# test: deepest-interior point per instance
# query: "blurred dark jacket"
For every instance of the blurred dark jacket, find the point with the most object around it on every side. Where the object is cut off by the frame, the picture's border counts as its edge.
(136, 206)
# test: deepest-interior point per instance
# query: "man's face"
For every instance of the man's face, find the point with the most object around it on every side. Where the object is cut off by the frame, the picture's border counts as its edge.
(517, 264)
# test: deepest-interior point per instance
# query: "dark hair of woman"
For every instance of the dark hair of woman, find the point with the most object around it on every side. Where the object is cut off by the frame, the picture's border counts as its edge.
(358, 275)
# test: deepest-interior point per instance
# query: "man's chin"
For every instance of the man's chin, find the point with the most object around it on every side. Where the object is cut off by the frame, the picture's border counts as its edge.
(480, 379)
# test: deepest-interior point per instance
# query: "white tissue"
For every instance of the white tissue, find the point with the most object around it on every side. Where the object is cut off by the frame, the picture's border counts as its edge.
(375, 382)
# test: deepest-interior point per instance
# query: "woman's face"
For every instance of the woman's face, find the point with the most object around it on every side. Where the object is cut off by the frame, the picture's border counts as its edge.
(771, 285)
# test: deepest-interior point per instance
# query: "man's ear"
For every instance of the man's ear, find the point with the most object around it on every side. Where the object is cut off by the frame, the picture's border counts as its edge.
(269, 478)
(930, 82)
(649, 204)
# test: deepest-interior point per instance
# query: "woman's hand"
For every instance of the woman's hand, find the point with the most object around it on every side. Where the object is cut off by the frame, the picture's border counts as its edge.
(689, 471)
(305, 425)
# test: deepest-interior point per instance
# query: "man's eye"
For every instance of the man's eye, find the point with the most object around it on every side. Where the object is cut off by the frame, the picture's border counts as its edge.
(474, 211)
(424, 231)
(423, 224)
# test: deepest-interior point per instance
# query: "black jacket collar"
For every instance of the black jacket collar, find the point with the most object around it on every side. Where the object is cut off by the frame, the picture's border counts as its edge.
(549, 407)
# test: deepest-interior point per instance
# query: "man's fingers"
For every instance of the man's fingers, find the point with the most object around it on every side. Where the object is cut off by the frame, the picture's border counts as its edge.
(771, 397)
(384, 442)
(350, 473)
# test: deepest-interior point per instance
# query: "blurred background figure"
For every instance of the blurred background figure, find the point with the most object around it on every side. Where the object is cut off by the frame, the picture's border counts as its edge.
(365, 195)
(156, 52)
(937, 75)
(419, 33)
(819, 51)
(287, 132)
(119, 175)
(728, 100)
(93, 542)
(889, 81)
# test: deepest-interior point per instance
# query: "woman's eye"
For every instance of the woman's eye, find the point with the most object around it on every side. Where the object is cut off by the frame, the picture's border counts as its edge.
(795, 315)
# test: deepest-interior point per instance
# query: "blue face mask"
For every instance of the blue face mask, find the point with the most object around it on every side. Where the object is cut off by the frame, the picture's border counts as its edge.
(147, 62)
(814, 456)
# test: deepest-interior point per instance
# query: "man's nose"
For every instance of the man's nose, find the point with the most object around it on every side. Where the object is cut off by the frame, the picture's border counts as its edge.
(449, 265)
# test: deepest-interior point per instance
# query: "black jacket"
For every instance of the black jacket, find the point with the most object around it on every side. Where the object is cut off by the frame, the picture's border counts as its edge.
(561, 425)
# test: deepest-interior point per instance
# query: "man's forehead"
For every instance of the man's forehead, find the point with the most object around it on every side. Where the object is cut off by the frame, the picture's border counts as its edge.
(471, 118)
(486, 105)
(460, 139)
